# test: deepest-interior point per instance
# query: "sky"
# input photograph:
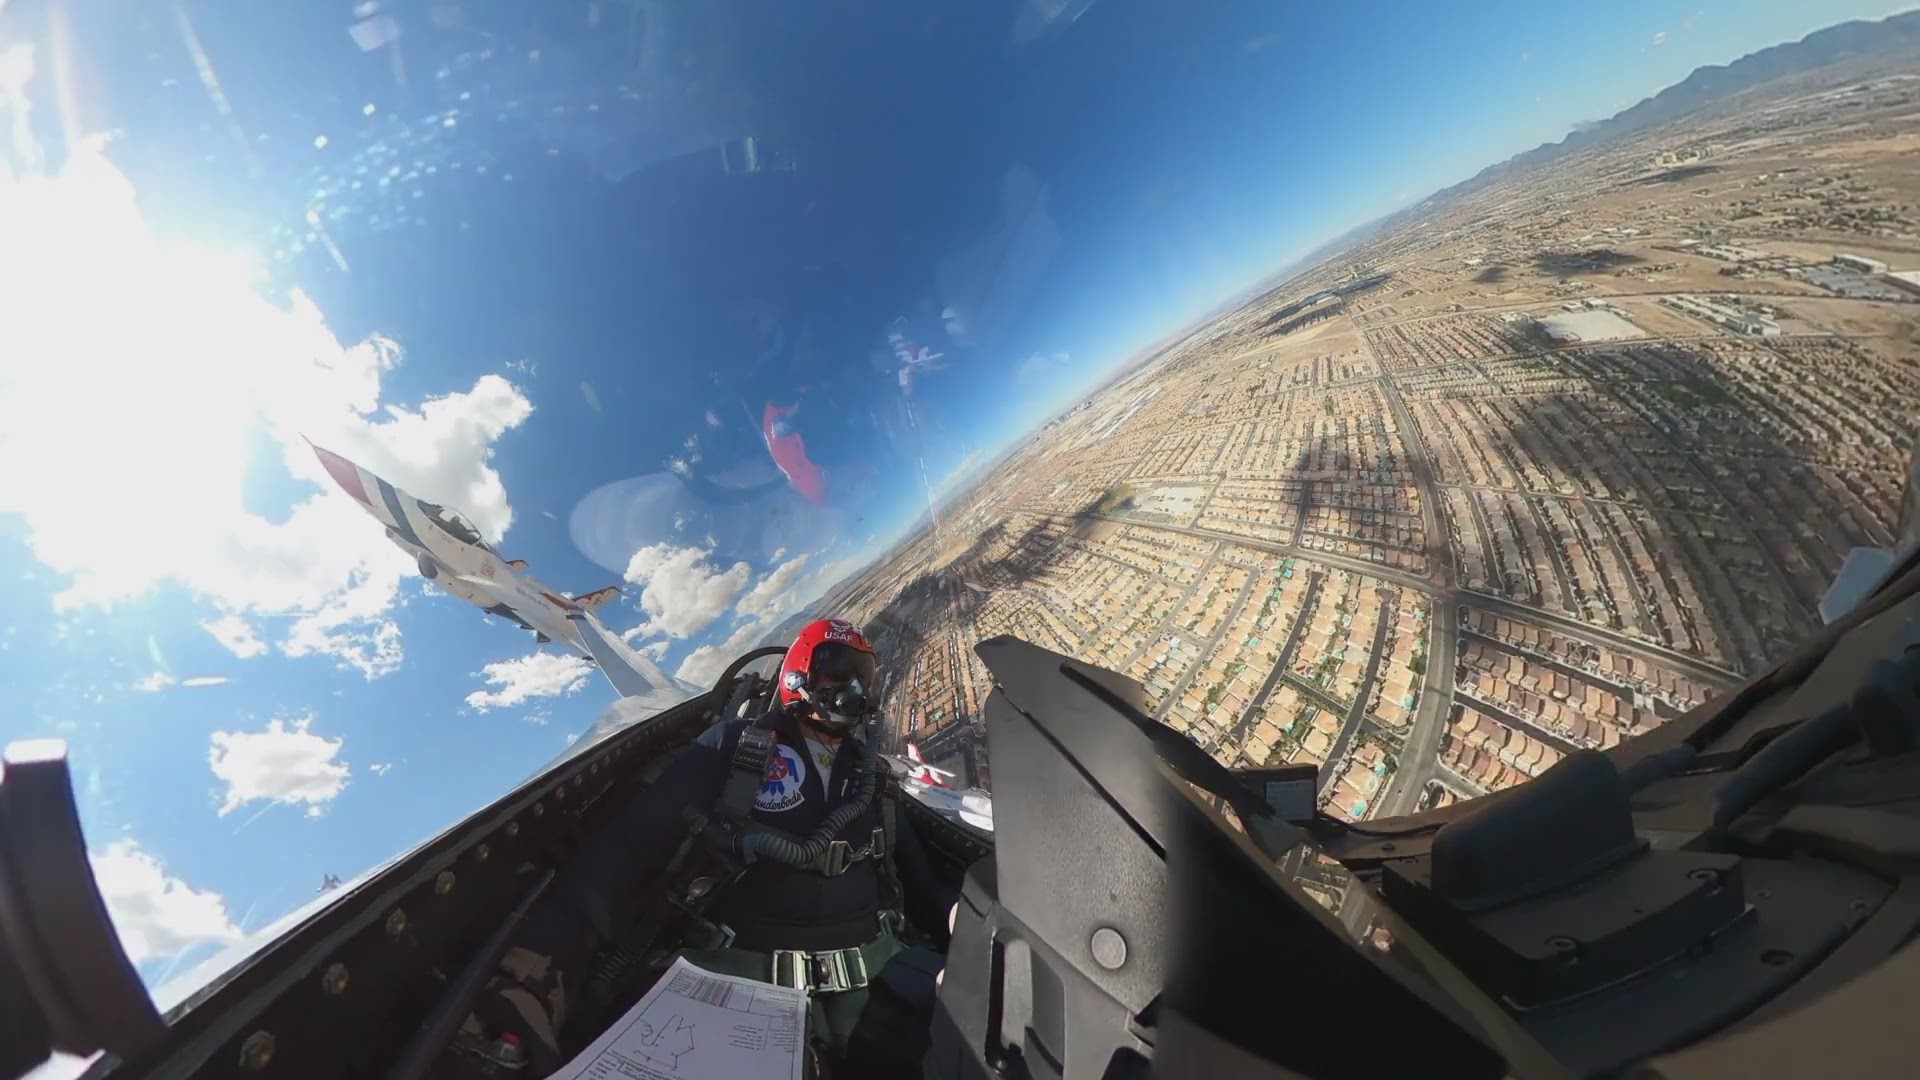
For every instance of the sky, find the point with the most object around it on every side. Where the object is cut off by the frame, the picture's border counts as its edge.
(711, 316)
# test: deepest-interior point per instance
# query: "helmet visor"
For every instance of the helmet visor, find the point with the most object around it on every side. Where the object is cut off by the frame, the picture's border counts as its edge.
(835, 662)
(842, 678)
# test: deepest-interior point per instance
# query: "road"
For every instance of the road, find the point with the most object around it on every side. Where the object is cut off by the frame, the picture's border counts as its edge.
(1644, 650)
(1421, 751)
(1185, 594)
(1280, 663)
(1419, 754)
(1527, 727)
(1213, 640)
(1691, 456)
(1457, 782)
(1556, 554)
(1554, 663)
(1699, 669)
(1317, 696)
(1361, 691)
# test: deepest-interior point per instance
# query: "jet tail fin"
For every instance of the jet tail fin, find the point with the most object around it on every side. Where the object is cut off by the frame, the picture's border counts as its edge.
(591, 601)
(938, 777)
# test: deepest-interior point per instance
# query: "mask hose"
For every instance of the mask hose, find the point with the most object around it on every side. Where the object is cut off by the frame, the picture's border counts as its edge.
(759, 845)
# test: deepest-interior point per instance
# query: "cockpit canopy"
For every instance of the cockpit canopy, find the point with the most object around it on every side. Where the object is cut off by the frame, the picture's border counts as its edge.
(450, 520)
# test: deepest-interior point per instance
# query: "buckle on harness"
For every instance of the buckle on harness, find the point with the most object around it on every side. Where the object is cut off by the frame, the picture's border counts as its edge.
(839, 855)
(827, 973)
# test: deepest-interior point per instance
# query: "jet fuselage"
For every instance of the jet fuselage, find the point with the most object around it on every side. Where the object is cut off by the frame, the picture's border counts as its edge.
(451, 553)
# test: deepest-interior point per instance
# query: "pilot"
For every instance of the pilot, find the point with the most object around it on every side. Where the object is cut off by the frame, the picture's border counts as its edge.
(770, 850)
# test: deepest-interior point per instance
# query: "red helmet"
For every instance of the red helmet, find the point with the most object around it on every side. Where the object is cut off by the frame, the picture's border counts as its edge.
(830, 666)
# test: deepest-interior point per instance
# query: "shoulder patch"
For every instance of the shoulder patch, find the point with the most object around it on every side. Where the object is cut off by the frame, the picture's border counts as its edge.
(781, 789)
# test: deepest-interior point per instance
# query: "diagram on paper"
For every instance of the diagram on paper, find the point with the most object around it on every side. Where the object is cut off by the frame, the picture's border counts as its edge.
(698, 1025)
(665, 1044)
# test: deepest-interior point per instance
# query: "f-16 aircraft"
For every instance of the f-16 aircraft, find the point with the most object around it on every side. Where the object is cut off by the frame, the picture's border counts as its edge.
(929, 785)
(914, 358)
(923, 772)
(451, 553)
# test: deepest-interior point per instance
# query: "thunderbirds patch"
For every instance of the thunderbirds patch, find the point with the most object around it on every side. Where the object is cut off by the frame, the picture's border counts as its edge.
(780, 788)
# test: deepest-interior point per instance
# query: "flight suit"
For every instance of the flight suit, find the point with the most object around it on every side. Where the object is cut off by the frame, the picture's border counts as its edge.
(598, 897)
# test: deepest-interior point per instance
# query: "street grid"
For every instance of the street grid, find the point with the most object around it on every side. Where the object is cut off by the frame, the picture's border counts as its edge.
(1541, 545)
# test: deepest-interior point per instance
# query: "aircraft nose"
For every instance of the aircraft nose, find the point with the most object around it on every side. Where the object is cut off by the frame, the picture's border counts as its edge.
(344, 472)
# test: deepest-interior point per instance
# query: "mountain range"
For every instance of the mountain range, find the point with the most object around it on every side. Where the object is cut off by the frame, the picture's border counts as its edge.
(1892, 36)
(1709, 85)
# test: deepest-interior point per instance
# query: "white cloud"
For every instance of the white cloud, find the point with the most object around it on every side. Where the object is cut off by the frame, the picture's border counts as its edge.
(540, 718)
(157, 681)
(236, 634)
(593, 396)
(683, 593)
(657, 650)
(1040, 366)
(202, 363)
(289, 765)
(353, 630)
(380, 768)
(772, 595)
(205, 680)
(157, 915)
(704, 664)
(536, 675)
(713, 419)
(1659, 39)
(824, 577)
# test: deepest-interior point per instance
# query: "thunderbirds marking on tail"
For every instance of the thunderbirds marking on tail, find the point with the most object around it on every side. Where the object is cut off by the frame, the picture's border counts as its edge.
(924, 772)
(929, 786)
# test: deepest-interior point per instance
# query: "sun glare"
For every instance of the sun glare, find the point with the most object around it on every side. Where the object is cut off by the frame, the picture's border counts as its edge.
(135, 371)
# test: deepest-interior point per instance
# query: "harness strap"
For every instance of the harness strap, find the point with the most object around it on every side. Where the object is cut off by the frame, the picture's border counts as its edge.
(829, 971)
(750, 757)
(889, 826)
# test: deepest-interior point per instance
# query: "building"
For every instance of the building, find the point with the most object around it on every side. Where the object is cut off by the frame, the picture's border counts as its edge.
(1905, 279)
(1861, 263)
(1588, 322)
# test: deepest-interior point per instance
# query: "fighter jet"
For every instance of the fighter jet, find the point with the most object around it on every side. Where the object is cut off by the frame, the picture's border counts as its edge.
(929, 786)
(924, 772)
(914, 358)
(451, 553)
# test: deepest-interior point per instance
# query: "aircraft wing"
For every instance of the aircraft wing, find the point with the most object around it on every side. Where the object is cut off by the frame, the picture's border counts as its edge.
(630, 673)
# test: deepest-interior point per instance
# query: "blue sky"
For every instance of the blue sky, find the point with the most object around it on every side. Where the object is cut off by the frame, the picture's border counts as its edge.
(515, 273)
